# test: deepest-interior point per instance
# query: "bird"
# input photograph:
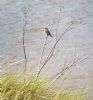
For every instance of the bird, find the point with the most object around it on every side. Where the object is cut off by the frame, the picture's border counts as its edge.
(47, 32)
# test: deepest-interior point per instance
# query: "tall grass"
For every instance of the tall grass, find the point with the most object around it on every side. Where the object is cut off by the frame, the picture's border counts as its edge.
(13, 87)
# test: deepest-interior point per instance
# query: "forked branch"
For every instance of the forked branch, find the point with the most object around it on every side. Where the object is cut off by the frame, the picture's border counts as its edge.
(52, 50)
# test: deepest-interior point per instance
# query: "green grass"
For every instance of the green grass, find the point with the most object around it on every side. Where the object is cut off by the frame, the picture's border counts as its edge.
(14, 87)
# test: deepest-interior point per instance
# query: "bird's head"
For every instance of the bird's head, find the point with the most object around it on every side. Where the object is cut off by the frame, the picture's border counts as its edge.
(45, 28)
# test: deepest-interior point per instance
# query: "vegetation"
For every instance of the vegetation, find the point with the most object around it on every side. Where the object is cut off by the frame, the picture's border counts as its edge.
(14, 87)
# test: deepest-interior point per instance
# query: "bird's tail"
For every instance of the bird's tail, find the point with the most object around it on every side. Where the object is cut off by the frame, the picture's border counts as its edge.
(51, 35)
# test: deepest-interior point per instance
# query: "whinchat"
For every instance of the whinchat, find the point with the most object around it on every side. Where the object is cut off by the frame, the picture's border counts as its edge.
(47, 32)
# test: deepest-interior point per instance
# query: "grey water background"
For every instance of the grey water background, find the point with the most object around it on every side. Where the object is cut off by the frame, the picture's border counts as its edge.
(45, 13)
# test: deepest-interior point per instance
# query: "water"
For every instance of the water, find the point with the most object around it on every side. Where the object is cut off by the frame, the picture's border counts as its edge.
(45, 13)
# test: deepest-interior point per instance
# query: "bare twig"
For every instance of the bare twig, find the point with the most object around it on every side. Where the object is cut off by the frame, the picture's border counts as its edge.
(58, 23)
(13, 64)
(25, 11)
(43, 52)
(60, 73)
(52, 50)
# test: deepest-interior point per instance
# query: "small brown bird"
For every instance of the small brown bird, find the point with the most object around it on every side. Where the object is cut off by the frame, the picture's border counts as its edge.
(47, 32)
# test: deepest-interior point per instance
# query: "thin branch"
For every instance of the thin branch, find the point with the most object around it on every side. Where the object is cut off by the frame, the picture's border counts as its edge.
(52, 50)
(58, 23)
(43, 52)
(13, 64)
(64, 69)
(23, 40)
(59, 74)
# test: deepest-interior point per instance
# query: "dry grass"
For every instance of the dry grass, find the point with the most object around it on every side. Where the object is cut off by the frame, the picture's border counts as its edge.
(13, 87)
